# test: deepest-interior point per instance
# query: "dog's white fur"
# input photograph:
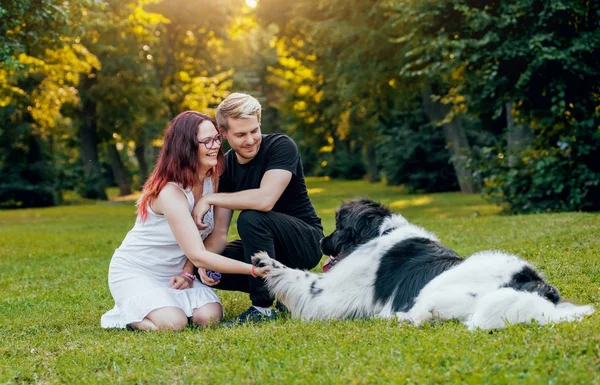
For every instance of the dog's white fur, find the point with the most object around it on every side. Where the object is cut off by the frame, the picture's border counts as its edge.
(508, 306)
(470, 292)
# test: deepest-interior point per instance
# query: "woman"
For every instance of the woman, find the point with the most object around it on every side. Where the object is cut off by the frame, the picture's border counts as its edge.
(149, 279)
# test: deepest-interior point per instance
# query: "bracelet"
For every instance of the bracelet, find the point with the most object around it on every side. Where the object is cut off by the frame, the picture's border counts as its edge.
(252, 273)
(190, 276)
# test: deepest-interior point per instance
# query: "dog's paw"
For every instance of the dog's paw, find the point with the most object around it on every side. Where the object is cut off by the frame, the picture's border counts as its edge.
(574, 312)
(262, 259)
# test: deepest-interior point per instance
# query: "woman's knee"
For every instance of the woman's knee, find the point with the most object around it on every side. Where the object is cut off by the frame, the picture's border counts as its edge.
(209, 314)
(172, 318)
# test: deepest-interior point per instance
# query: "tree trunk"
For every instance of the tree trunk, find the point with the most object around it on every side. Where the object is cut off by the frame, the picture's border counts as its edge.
(140, 154)
(119, 170)
(88, 138)
(455, 135)
(518, 137)
(372, 171)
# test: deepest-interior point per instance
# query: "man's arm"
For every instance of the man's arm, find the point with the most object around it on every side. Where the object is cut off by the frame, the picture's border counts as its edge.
(272, 185)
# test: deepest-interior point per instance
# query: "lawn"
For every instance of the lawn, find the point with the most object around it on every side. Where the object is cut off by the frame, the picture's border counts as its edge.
(53, 269)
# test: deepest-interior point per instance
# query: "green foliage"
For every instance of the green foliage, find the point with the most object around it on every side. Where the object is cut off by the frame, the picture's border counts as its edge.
(40, 62)
(540, 56)
(344, 78)
(555, 179)
(34, 25)
(336, 70)
(28, 176)
(404, 142)
(344, 163)
(51, 334)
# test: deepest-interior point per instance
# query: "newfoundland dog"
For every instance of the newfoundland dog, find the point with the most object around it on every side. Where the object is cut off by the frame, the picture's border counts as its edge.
(381, 265)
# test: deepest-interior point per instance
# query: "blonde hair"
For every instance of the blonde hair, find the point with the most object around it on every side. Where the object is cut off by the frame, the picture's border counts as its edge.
(237, 106)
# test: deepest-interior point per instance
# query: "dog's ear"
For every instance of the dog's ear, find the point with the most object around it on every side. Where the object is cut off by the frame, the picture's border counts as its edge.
(367, 228)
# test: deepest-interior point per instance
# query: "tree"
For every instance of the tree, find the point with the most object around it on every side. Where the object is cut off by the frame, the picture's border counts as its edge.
(42, 60)
(122, 101)
(347, 62)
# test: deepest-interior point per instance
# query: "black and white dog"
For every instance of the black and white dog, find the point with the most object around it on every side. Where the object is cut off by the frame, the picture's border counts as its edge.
(384, 266)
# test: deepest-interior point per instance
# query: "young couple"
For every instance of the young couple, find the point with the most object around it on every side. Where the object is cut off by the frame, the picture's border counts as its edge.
(183, 222)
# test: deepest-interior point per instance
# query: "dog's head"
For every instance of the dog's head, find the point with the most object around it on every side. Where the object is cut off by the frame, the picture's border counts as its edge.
(356, 223)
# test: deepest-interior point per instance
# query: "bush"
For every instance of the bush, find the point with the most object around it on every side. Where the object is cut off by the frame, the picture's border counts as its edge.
(564, 178)
(414, 153)
(344, 162)
(28, 173)
(22, 194)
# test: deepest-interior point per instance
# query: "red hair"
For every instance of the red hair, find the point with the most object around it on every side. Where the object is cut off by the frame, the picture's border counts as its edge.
(178, 159)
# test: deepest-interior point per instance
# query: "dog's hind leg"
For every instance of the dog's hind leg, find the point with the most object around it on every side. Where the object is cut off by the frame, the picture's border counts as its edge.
(451, 303)
(507, 306)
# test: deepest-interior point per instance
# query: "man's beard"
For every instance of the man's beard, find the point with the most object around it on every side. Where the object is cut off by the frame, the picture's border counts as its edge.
(249, 157)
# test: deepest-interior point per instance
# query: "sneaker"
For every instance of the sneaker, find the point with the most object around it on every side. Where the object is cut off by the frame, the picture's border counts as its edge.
(280, 307)
(250, 316)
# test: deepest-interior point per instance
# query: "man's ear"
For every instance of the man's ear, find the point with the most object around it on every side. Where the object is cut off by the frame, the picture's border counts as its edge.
(223, 133)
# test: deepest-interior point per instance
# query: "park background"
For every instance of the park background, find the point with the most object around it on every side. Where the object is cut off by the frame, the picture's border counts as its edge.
(463, 115)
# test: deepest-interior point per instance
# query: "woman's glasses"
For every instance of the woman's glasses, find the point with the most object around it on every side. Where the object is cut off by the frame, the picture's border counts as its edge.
(209, 143)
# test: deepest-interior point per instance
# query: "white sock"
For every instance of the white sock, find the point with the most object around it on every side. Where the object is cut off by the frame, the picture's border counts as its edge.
(263, 310)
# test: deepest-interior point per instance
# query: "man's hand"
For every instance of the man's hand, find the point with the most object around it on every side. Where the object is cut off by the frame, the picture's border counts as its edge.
(181, 282)
(208, 281)
(200, 210)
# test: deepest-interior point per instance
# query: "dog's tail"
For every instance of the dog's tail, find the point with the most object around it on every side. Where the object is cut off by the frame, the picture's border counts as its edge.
(508, 306)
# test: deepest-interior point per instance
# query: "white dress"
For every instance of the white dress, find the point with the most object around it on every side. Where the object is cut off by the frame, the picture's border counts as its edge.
(141, 269)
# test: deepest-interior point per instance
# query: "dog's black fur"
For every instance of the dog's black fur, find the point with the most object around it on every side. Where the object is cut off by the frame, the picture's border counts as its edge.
(407, 267)
(530, 280)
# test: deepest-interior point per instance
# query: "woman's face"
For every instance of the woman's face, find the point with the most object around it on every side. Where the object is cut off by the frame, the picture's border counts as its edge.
(209, 144)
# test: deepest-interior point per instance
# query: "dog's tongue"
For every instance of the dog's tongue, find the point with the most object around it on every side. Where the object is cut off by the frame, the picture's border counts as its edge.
(327, 265)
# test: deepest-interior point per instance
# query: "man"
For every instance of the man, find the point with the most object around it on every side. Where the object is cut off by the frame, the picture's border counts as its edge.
(264, 179)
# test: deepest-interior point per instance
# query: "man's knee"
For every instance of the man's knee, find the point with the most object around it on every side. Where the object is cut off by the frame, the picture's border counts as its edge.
(250, 219)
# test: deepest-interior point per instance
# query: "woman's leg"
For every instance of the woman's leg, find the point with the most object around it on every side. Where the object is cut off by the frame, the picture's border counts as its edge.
(170, 317)
(144, 324)
(208, 315)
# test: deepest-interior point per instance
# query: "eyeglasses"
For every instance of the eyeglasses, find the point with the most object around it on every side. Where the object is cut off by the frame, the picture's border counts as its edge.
(209, 143)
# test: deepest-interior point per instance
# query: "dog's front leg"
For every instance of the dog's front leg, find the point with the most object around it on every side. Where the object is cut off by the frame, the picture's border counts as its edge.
(296, 289)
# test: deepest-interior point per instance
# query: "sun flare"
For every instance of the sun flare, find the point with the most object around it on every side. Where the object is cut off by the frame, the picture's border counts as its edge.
(252, 3)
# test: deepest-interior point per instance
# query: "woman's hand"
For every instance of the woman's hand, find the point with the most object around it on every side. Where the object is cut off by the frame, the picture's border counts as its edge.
(181, 282)
(208, 281)
(261, 272)
(199, 211)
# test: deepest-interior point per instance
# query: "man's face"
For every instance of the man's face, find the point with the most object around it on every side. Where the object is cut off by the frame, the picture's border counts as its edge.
(244, 137)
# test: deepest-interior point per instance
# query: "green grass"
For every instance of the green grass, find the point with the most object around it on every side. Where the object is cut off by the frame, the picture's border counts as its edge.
(53, 272)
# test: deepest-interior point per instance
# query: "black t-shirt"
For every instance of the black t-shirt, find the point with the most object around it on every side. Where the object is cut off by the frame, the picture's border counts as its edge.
(277, 152)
